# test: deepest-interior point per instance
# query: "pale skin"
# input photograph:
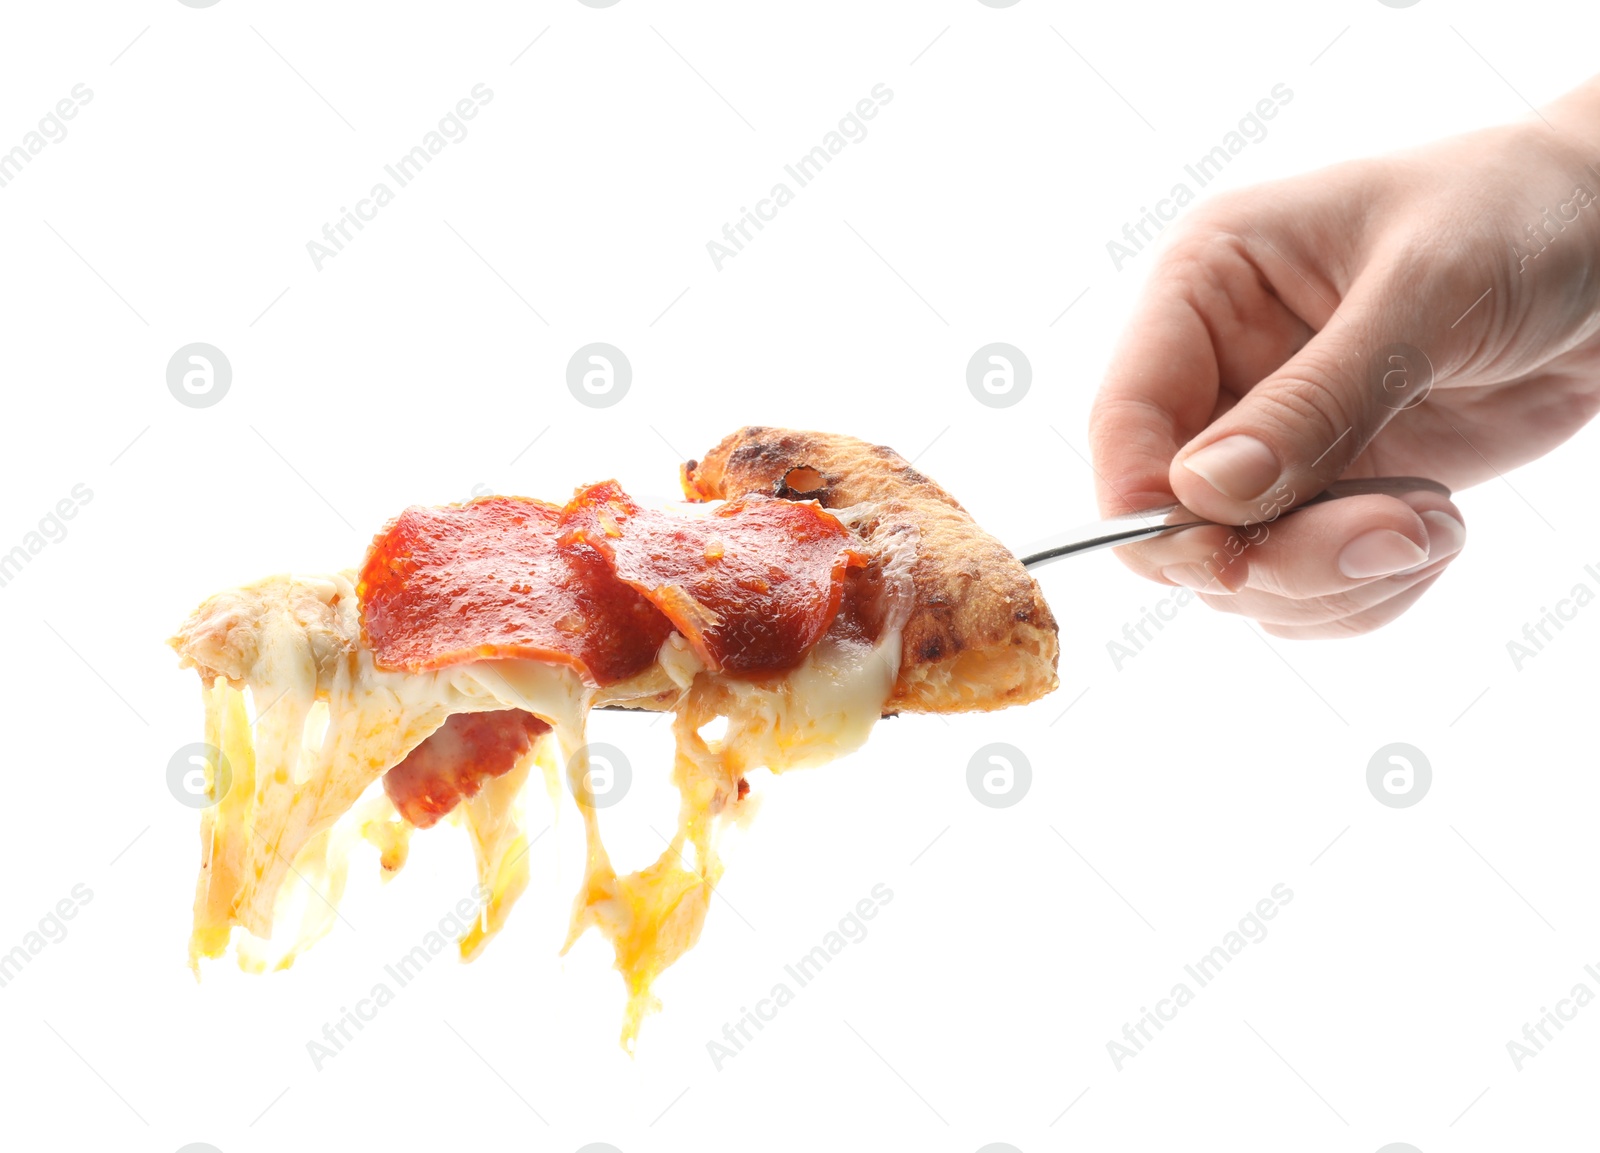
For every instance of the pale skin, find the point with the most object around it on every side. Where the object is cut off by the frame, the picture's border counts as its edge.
(1254, 373)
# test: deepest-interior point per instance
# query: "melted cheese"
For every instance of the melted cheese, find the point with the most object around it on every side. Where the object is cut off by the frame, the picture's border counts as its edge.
(821, 711)
(307, 723)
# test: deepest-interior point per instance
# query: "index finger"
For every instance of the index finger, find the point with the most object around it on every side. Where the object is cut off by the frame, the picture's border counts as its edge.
(1161, 384)
(1208, 327)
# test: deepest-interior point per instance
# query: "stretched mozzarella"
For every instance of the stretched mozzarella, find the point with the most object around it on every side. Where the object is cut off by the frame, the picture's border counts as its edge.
(307, 722)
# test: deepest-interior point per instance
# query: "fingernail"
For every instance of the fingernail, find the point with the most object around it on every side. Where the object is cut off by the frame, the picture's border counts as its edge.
(1379, 553)
(1446, 535)
(1194, 577)
(1239, 467)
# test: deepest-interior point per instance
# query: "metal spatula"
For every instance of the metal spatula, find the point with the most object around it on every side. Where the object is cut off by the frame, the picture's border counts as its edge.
(1136, 526)
(1153, 522)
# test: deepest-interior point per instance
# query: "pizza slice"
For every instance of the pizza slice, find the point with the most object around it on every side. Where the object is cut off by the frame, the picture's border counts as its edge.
(812, 584)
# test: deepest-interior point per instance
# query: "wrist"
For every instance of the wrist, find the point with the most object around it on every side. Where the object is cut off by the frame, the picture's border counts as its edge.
(1575, 118)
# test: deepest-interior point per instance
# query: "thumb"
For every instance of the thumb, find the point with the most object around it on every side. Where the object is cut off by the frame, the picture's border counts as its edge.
(1300, 428)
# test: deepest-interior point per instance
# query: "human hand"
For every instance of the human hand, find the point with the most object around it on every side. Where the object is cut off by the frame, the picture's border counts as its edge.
(1260, 366)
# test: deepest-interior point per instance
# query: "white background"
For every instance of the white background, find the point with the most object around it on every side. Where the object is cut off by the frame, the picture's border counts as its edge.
(421, 361)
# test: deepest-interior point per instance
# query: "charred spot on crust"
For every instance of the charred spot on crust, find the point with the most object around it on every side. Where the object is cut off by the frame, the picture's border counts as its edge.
(759, 455)
(913, 476)
(932, 649)
(802, 482)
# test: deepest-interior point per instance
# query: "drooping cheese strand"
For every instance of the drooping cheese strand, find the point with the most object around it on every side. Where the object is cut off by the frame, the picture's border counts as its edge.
(652, 916)
(500, 846)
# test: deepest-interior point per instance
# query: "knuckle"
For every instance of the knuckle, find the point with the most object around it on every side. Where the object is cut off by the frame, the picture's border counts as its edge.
(1208, 242)
(1313, 398)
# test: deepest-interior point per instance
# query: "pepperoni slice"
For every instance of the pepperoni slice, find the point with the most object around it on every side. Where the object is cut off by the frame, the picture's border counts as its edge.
(752, 585)
(452, 764)
(441, 586)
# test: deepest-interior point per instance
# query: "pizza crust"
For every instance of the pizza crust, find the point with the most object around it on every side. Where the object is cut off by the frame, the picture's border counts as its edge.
(980, 635)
